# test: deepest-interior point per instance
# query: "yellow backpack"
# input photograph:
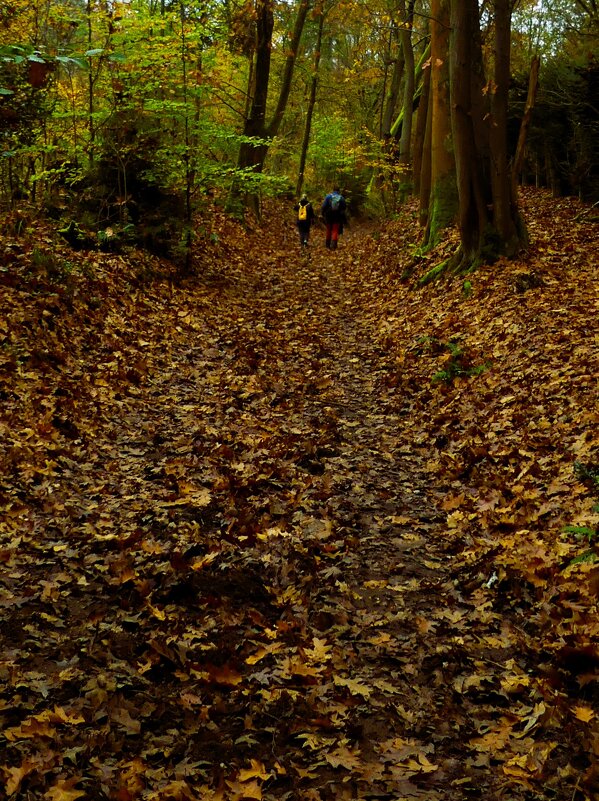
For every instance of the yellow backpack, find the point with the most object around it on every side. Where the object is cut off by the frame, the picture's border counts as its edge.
(302, 213)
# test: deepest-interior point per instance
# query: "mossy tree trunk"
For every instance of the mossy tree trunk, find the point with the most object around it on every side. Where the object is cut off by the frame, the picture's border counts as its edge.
(421, 156)
(443, 199)
(487, 231)
(405, 140)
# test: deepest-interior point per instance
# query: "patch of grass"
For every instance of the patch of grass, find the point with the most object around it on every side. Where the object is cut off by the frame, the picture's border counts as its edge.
(588, 474)
(457, 363)
(586, 535)
(56, 269)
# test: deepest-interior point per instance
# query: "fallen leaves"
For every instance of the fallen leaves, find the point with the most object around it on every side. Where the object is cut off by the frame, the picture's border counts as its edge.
(250, 550)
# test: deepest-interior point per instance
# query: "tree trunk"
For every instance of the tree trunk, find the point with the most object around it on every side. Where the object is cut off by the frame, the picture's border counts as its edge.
(390, 104)
(293, 48)
(408, 104)
(489, 223)
(443, 206)
(422, 122)
(426, 168)
(252, 155)
(311, 103)
(533, 83)
(505, 213)
(465, 64)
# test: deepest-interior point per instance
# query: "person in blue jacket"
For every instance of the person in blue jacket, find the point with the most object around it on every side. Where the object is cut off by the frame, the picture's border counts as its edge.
(333, 213)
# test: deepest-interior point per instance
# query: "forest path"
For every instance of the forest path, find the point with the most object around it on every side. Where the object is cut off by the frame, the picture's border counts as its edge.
(228, 571)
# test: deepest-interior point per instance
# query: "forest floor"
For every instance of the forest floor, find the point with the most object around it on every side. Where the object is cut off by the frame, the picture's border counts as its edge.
(299, 527)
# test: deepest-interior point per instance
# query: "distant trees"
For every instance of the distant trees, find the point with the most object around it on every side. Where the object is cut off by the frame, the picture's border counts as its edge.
(562, 150)
(257, 132)
(140, 112)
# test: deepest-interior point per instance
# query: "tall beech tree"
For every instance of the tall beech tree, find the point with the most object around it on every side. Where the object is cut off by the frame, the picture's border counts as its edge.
(489, 222)
(443, 199)
(320, 15)
(256, 131)
(407, 47)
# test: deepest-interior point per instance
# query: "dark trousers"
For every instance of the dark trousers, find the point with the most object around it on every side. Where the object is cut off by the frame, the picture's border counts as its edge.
(303, 229)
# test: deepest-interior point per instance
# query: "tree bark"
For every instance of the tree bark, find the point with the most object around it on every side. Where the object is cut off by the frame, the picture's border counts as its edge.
(311, 102)
(392, 95)
(505, 214)
(300, 20)
(489, 223)
(421, 157)
(533, 83)
(410, 81)
(465, 50)
(443, 201)
(252, 155)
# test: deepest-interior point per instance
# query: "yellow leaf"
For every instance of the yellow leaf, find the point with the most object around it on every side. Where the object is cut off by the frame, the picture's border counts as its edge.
(64, 790)
(256, 771)
(61, 715)
(321, 652)
(29, 729)
(584, 713)
(353, 686)
(296, 667)
(241, 791)
(400, 520)
(14, 776)
(380, 639)
(260, 654)
(342, 757)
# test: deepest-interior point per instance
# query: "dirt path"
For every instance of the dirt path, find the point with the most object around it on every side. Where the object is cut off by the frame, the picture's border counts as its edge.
(232, 581)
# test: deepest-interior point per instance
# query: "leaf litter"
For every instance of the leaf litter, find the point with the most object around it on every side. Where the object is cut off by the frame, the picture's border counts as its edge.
(301, 528)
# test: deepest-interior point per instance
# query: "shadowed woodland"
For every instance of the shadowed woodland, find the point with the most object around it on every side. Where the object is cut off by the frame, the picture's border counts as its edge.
(298, 524)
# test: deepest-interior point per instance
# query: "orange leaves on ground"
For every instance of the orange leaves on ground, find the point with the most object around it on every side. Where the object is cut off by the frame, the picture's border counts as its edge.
(252, 549)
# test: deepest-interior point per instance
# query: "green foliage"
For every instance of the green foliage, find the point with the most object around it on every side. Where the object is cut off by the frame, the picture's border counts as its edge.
(52, 266)
(588, 474)
(457, 362)
(113, 103)
(587, 535)
(333, 155)
(582, 532)
(434, 273)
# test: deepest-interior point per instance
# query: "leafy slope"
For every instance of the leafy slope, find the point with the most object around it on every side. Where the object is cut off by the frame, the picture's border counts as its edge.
(297, 529)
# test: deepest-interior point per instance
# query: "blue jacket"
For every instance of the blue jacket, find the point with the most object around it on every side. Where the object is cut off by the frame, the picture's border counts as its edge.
(330, 214)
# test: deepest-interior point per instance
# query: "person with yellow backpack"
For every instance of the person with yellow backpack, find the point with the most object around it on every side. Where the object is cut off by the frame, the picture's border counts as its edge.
(304, 220)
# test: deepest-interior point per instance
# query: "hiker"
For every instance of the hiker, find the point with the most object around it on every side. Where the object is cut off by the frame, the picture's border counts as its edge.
(305, 219)
(333, 213)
